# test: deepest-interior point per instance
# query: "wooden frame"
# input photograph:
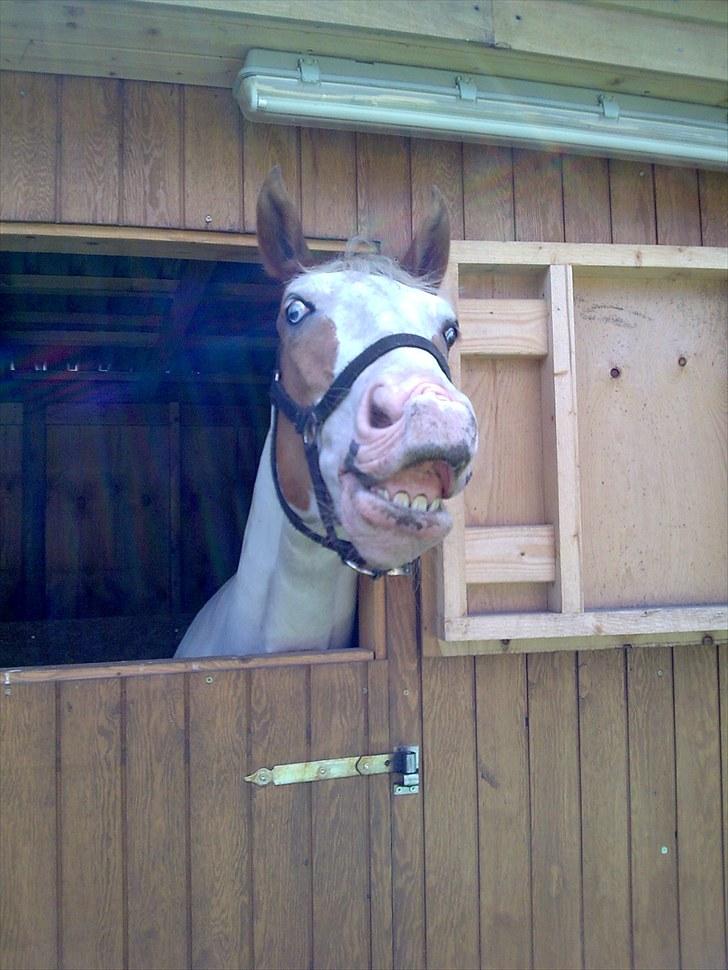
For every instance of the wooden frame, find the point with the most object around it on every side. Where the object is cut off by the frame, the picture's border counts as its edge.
(550, 552)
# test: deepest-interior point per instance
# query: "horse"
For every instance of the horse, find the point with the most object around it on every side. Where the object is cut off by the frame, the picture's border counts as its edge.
(368, 438)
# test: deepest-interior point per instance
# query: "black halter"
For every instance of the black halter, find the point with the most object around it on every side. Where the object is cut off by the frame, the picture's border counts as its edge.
(308, 422)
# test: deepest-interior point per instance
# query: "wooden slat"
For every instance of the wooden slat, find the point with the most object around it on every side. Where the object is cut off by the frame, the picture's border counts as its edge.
(697, 754)
(632, 202)
(503, 328)
(451, 805)
(586, 199)
(213, 193)
(677, 205)
(34, 511)
(28, 838)
(713, 188)
(90, 165)
(156, 824)
(151, 154)
(341, 917)
(77, 318)
(504, 813)
(505, 554)
(221, 838)
(380, 820)
(328, 182)
(723, 712)
(28, 146)
(604, 778)
(92, 905)
(437, 163)
(488, 192)
(384, 204)
(555, 811)
(265, 146)
(652, 813)
(281, 820)
(372, 617)
(80, 338)
(48, 285)
(562, 483)
(11, 510)
(538, 198)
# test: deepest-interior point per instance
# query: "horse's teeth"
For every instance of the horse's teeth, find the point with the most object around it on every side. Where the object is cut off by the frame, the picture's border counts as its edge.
(419, 503)
(436, 505)
(403, 499)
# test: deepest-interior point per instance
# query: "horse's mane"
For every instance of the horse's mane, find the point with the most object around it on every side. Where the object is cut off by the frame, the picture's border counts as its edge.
(355, 259)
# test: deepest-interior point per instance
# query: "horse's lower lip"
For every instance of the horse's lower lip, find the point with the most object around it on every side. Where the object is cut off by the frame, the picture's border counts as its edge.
(383, 513)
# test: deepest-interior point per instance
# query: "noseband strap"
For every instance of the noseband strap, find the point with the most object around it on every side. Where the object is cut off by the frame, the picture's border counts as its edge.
(308, 421)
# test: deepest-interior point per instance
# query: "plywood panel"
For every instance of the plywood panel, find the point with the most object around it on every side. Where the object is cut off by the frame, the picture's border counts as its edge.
(504, 813)
(604, 776)
(341, 920)
(451, 805)
(328, 182)
(697, 754)
(652, 808)
(90, 164)
(586, 199)
(653, 501)
(157, 823)
(28, 146)
(28, 838)
(91, 845)
(152, 154)
(220, 834)
(281, 820)
(632, 200)
(555, 810)
(213, 160)
(488, 192)
(265, 146)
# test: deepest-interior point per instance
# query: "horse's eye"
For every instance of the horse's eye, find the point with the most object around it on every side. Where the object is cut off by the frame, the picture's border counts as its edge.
(296, 311)
(450, 333)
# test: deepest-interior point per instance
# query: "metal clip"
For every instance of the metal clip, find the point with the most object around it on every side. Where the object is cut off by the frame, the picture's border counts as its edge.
(309, 70)
(609, 106)
(467, 89)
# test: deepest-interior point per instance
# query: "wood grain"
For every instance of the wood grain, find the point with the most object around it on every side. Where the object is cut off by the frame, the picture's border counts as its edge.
(632, 202)
(677, 206)
(697, 759)
(213, 160)
(151, 155)
(328, 182)
(157, 823)
(723, 712)
(380, 820)
(28, 146)
(90, 162)
(384, 203)
(451, 805)
(538, 196)
(265, 146)
(28, 834)
(91, 847)
(488, 192)
(341, 897)
(713, 187)
(655, 920)
(604, 774)
(439, 164)
(504, 809)
(586, 199)
(11, 510)
(555, 810)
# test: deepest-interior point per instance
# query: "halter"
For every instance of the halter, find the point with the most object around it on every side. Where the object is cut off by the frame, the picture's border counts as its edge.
(308, 421)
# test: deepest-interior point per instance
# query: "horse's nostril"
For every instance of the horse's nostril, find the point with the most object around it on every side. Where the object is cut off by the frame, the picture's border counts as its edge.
(378, 418)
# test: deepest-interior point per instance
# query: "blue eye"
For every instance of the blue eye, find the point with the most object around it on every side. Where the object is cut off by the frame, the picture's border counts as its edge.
(296, 311)
(450, 333)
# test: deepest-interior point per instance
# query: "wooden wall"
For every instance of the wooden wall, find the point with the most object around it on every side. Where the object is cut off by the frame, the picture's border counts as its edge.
(575, 808)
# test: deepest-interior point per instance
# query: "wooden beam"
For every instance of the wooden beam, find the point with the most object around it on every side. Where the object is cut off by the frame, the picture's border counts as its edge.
(510, 554)
(187, 297)
(503, 328)
(54, 285)
(71, 319)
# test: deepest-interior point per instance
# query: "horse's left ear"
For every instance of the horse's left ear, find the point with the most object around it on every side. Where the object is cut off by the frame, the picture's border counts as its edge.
(280, 235)
(430, 249)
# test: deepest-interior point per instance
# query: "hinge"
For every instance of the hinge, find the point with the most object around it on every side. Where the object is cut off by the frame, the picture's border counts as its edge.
(403, 763)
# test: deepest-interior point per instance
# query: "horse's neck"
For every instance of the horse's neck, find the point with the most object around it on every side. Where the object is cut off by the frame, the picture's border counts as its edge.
(288, 592)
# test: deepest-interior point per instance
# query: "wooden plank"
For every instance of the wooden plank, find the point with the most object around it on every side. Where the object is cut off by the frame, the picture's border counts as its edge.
(632, 202)
(451, 805)
(555, 811)
(677, 206)
(444, 648)
(151, 155)
(510, 554)
(380, 820)
(91, 845)
(341, 904)
(90, 163)
(713, 187)
(503, 328)
(28, 833)
(281, 823)
(586, 199)
(220, 832)
(504, 813)
(697, 753)
(604, 779)
(723, 705)
(34, 471)
(157, 823)
(49, 285)
(488, 192)
(11, 511)
(537, 181)
(652, 809)
(80, 338)
(440, 164)
(705, 10)
(213, 193)
(28, 147)
(175, 500)
(384, 204)
(328, 182)
(372, 617)
(562, 482)
(657, 622)
(265, 146)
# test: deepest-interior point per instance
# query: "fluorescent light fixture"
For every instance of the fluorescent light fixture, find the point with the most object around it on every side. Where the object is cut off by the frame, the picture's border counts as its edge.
(330, 92)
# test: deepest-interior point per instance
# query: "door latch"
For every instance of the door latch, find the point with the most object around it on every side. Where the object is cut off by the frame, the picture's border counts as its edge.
(403, 764)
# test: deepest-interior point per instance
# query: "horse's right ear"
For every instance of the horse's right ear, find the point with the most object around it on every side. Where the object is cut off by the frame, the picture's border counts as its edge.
(280, 235)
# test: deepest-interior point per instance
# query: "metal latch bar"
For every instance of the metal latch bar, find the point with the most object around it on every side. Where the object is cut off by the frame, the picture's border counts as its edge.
(403, 763)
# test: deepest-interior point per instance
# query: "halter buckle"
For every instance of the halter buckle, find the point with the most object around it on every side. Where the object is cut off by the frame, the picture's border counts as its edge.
(310, 431)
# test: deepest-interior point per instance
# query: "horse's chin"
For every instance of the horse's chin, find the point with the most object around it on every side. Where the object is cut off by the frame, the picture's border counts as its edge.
(387, 534)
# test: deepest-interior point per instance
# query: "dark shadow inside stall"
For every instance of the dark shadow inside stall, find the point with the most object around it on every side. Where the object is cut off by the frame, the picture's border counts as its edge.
(133, 410)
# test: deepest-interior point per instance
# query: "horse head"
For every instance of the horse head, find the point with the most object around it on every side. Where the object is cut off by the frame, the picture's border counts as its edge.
(372, 436)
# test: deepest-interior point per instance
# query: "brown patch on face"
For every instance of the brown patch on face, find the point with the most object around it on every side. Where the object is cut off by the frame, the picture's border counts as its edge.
(308, 357)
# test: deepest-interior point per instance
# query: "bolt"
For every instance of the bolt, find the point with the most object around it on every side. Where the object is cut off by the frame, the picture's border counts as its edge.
(708, 641)
(664, 850)
(208, 219)
(209, 679)
(406, 692)
(615, 372)
(659, 673)
(682, 361)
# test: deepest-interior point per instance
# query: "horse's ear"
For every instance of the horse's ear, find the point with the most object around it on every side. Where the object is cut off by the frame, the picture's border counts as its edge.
(430, 249)
(280, 235)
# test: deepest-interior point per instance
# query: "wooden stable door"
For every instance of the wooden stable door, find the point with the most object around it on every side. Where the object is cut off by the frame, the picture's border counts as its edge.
(130, 838)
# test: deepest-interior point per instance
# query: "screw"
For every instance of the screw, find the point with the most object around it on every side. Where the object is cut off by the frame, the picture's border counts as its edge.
(209, 679)
(322, 770)
(664, 850)
(406, 692)
(682, 361)
(208, 219)
(659, 673)
(615, 372)
(365, 766)
(708, 641)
